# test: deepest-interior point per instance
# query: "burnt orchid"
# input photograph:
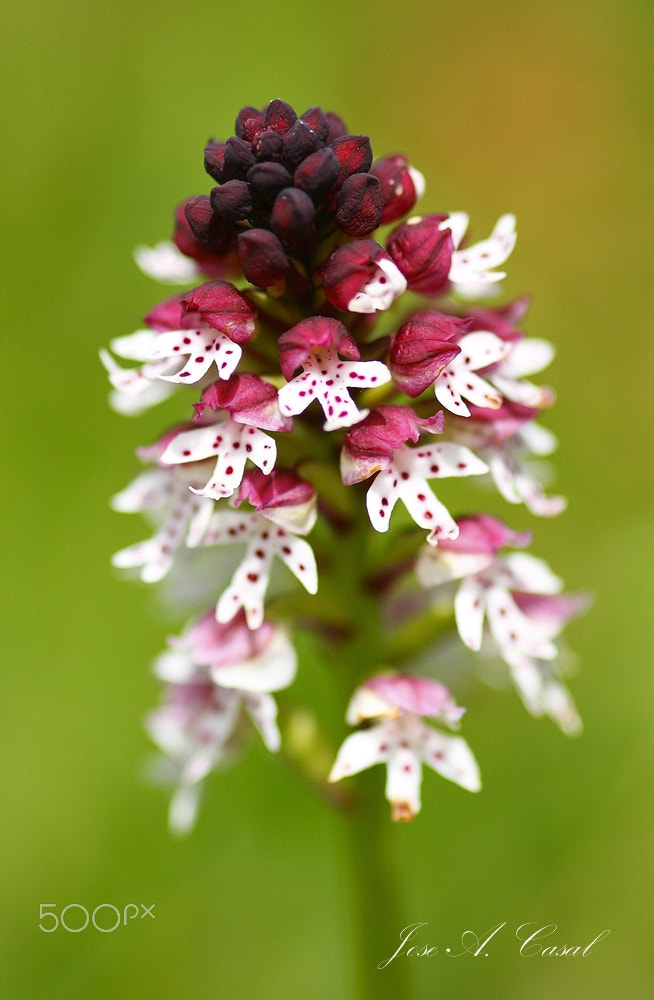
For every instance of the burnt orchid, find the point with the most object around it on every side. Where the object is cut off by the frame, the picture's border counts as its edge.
(335, 371)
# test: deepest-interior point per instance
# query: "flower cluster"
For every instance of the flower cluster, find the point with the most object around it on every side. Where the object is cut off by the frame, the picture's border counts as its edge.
(316, 443)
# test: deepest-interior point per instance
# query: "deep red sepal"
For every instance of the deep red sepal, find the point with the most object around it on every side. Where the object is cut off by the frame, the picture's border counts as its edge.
(263, 258)
(368, 447)
(397, 186)
(309, 336)
(359, 205)
(292, 218)
(422, 348)
(354, 155)
(248, 399)
(249, 123)
(423, 253)
(317, 120)
(223, 307)
(280, 116)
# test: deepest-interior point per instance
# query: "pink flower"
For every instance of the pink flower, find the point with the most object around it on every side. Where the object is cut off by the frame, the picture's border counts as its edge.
(403, 742)
(361, 277)
(405, 471)
(315, 344)
(401, 185)
(264, 539)
(517, 598)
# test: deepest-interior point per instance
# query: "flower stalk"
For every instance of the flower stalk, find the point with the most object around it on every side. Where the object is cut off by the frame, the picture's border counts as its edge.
(332, 382)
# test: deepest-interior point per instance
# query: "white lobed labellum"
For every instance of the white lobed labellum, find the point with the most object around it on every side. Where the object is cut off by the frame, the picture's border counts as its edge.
(167, 264)
(232, 444)
(381, 291)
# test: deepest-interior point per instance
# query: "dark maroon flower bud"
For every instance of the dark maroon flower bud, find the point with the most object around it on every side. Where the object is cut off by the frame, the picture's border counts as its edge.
(354, 155)
(359, 205)
(262, 258)
(206, 227)
(280, 116)
(233, 201)
(220, 262)
(422, 348)
(362, 278)
(292, 217)
(268, 179)
(337, 126)
(310, 336)
(214, 159)
(238, 159)
(223, 308)
(368, 448)
(300, 141)
(401, 185)
(317, 173)
(317, 120)
(249, 123)
(248, 399)
(423, 252)
(268, 146)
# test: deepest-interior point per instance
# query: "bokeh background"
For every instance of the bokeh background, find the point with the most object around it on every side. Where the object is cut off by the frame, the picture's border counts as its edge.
(543, 110)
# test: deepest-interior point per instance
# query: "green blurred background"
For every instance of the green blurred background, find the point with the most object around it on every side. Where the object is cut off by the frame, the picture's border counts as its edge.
(545, 111)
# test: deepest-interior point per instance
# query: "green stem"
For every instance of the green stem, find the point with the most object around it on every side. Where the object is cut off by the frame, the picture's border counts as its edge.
(374, 870)
(376, 904)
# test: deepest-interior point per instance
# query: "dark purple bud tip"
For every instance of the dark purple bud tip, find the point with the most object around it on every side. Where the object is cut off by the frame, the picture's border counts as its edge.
(238, 159)
(300, 141)
(317, 173)
(360, 205)
(268, 146)
(280, 116)
(214, 159)
(203, 223)
(354, 155)
(249, 123)
(233, 201)
(337, 126)
(268, 179)
(292, 217)
(262, 258)
(317, 120)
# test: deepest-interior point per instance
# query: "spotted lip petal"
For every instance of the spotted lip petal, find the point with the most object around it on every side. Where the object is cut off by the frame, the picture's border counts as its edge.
(327, 379)
(472, 271)
(232, 444)
(458, 380)
(404, 744)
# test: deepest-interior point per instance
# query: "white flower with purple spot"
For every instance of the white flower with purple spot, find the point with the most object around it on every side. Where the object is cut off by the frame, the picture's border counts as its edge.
(513, 475)
(403, 742)
(176, 512)
(471, 269)
(136, 389)
(459, 381)
(406, 479)
(232, 445)
(318, 346)
(526, 357)
(264, 541)
(326, 378)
